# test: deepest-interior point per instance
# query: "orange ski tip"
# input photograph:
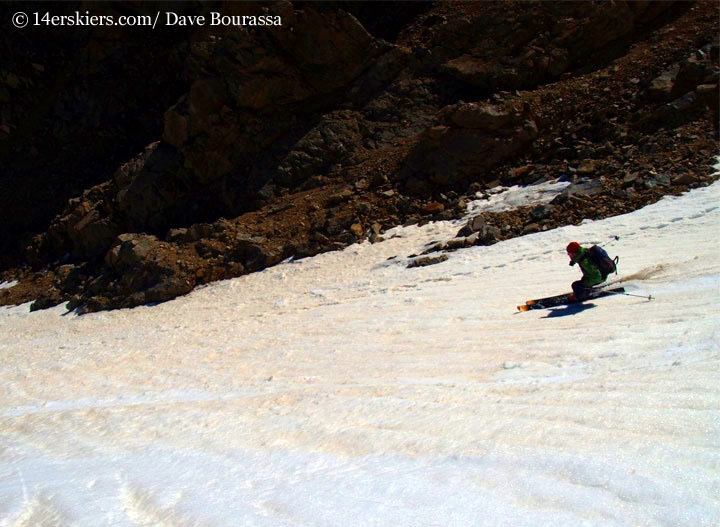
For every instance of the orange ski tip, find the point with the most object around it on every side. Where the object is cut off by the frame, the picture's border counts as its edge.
(530, 302)
(523, 308)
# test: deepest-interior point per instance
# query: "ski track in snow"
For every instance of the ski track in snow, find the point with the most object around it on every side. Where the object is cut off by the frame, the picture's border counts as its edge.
(348, 390)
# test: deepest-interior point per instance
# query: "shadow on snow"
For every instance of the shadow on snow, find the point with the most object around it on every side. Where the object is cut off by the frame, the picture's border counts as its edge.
(572, 309)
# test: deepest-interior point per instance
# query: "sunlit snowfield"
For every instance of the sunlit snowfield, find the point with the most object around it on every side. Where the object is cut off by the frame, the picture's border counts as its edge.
(347, 390)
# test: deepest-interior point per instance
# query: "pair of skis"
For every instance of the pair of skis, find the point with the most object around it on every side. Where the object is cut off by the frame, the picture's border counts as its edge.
(567, 299)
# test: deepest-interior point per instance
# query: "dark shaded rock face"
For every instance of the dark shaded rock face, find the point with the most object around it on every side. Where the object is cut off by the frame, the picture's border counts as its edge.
(75, 103)
(139, 164)
(508, 47)
(472, 139)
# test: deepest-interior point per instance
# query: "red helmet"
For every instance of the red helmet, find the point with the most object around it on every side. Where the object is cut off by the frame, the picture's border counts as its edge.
(573, 248)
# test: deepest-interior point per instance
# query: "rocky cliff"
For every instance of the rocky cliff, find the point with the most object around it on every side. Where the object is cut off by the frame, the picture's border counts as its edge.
(210, 152)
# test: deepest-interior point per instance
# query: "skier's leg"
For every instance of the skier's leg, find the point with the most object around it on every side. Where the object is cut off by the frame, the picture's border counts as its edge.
(579, 290)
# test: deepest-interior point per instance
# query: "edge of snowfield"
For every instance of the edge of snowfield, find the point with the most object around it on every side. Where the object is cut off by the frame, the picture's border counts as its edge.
(348, 390)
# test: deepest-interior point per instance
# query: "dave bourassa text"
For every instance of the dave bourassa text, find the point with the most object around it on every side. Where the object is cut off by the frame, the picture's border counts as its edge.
(217, 19)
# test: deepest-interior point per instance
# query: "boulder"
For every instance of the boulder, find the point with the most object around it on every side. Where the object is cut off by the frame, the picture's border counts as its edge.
(167, 289)
(51, 298)
(586, 189)
(661, 87)
(474, 224)
(531, 228)
(482, 116)
(588, 166)
(131, 250)
(250, 251)
(541, 212)
(481, 232)
(691, 73)
(670, 115)
(688, 178)
(92, 235)
(427, 260)
(710, 96)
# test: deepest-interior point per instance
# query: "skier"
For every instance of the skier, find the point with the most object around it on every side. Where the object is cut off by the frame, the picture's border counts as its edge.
(592, 275)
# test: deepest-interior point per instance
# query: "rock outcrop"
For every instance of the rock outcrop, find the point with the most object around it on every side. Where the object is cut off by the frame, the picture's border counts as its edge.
(684, 91)
(469, 141)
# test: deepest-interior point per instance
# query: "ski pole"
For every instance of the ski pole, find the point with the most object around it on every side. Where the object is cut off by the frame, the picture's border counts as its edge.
(647, 297)
(612, 240)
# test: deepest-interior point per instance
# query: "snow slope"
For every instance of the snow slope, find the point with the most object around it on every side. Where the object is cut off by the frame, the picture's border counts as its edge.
(349, 390)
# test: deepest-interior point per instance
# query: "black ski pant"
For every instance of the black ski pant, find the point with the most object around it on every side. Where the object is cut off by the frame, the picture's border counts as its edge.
(579, 290)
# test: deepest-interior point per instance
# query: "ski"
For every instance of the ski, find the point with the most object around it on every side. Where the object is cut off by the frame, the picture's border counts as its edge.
(567, 298)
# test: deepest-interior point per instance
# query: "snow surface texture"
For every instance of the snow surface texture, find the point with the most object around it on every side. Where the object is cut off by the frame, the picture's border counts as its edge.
(348, 390)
